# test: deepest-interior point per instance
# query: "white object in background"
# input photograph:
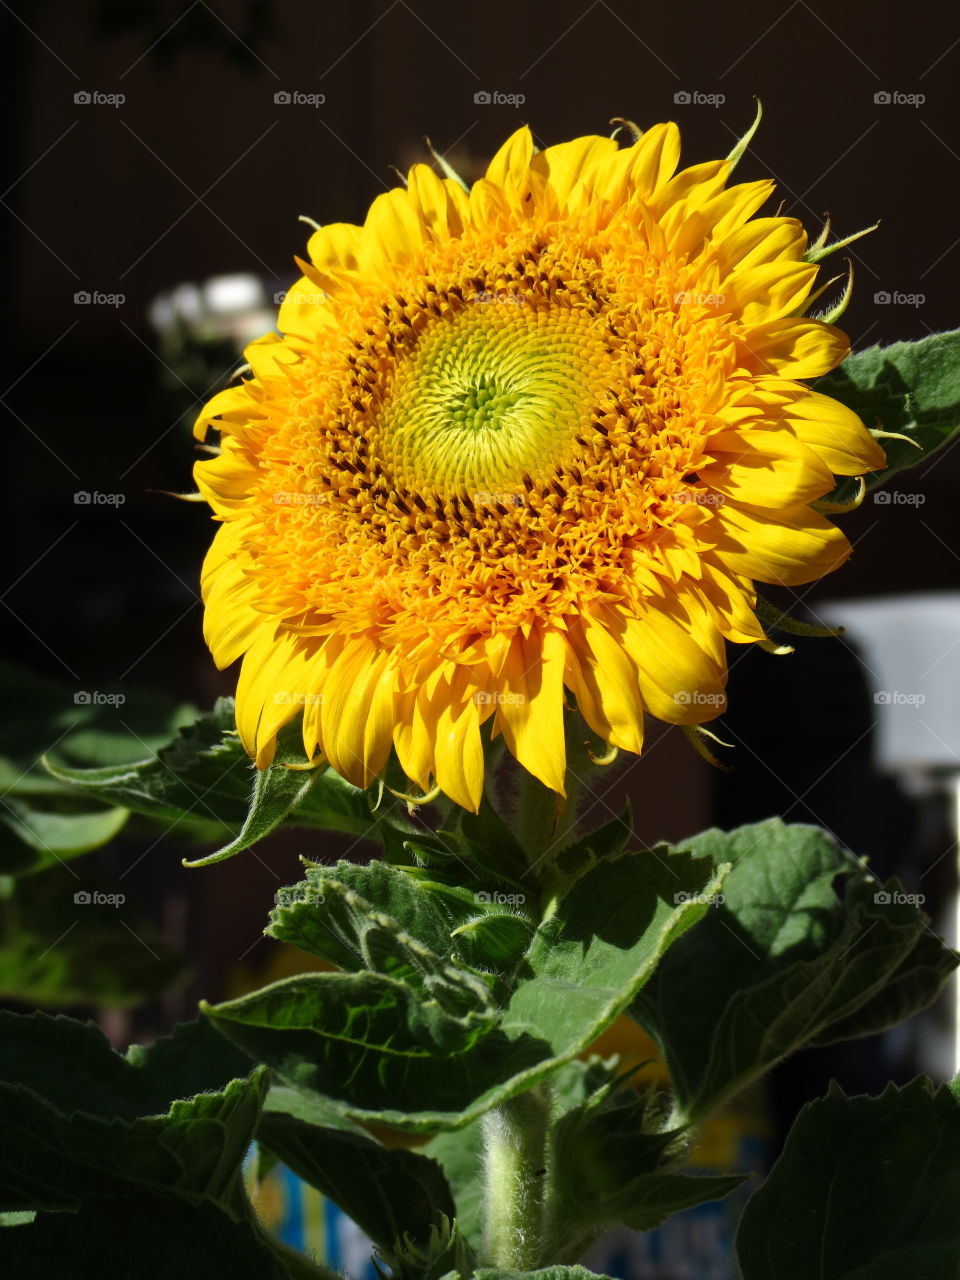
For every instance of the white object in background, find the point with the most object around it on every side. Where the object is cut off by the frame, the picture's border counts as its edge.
(910, 647)
(235, 308)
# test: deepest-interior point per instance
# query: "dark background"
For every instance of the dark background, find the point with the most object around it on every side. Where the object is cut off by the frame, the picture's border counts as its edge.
(200, 172)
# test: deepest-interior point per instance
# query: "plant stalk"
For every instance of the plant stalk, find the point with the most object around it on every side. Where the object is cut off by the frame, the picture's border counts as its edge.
(517, 1227)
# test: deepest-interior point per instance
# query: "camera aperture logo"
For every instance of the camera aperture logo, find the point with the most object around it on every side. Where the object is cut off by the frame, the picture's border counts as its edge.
(497, 899)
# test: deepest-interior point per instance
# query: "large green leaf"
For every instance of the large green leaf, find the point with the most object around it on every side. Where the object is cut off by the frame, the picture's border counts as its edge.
(34, 839)
(784, 962)
(615, 1164)
(908, 388)
(545, 1273)
(344, 913)
(79, 1120)
(383, 1053)
(866, 1189)
(387, 1192)
(147, 1237)
(55, 952)
(45, 821)
(204, 774)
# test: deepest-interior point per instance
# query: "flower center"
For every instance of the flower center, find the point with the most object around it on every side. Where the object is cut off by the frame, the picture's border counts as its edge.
(498, 392)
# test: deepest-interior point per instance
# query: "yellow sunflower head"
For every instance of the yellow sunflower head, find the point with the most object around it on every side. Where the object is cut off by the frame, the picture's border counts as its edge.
(533, 439)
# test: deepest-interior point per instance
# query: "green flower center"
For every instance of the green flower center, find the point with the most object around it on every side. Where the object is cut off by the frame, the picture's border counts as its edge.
(494, 394)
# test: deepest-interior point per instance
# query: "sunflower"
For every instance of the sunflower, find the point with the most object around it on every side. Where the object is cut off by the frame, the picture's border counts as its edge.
(524, 441)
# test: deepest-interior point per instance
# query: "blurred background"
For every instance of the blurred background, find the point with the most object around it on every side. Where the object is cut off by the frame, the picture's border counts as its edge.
(159, 153)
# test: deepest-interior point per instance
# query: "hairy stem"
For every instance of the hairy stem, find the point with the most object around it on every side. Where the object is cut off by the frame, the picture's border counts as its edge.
(517, 1230)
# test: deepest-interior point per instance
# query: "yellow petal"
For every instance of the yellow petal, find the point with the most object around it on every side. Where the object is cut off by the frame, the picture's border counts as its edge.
(333, 248)
(458, 750)
(836, 434)
(508, 168)
(231, 621)
(681, 681)
(791, 546)
(794, 348)
(765, 467)
(233, 401)
(226, 480)
(567, 164)
(356, 747)
(530, 706)
(266, 691)
(413, 737)
(606, 685)
(768, 291)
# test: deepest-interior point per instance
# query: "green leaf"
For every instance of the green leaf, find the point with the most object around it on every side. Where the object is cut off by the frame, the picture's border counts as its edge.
(435, 1064)
(865, 1189)
(205, 775)
(908, 388)
(388, 1193)
(460, 1156)
(87, 727)
(784, 962)
(616, 1165)
(339, 913)
(55, 952)
(603, 842)
(79, 1120)
(545, 1273)
(34, 839)
(203, 772)
(150, 1237)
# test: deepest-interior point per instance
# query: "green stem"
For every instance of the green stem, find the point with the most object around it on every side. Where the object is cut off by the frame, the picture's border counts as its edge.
(517, 1230)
